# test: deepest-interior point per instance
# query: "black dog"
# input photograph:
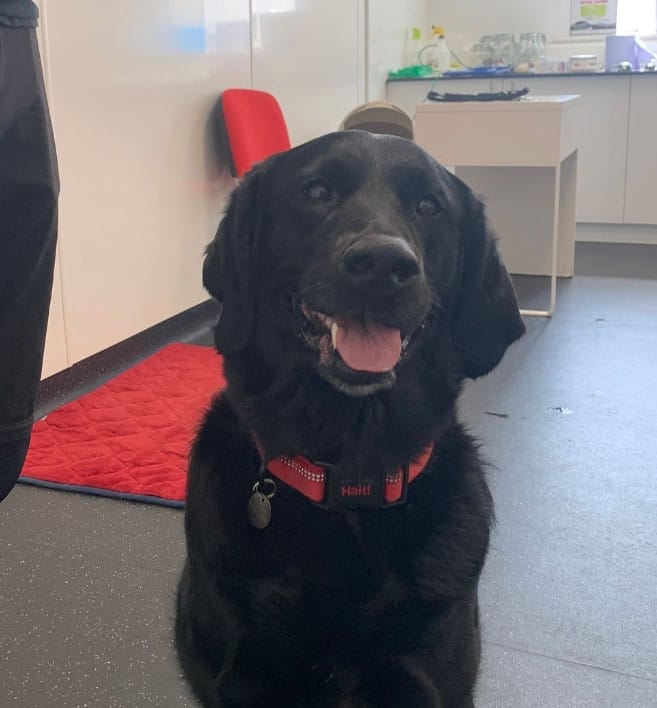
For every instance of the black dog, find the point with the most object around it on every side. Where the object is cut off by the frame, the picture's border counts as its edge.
(360, 287)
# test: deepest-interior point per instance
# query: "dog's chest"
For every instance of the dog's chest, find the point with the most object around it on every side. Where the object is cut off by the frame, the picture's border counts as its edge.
(351, 592)
(356, 564)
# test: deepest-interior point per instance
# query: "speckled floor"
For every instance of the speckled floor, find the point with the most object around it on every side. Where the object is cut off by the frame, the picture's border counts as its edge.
(569, 593)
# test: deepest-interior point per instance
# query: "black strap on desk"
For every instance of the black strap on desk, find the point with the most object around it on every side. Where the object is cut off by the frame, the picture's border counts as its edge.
(462, 97)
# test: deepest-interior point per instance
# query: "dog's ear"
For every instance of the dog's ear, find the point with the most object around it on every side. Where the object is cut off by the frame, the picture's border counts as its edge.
(228, 265)
(486, 317)
(212, 270)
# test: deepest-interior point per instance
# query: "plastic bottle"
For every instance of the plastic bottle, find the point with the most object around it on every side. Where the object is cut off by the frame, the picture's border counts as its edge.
(413, 46)
(441, 56)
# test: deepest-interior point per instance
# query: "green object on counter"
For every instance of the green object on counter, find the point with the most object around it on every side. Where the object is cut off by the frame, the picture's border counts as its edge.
(411, 72)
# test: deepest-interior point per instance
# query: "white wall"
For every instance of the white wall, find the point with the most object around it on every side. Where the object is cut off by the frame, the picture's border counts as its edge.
(469, 20)
(465, 22)
(388, 24)
(131, 84)
(310, 54)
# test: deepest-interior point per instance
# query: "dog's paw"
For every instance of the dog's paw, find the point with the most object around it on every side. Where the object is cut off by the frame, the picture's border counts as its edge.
(234, 689)
(400, 682)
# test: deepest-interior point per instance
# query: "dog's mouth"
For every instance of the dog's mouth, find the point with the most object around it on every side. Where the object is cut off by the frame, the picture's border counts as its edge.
(358, 355)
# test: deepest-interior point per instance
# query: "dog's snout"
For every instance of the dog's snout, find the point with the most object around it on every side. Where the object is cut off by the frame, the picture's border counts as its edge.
(381, 260)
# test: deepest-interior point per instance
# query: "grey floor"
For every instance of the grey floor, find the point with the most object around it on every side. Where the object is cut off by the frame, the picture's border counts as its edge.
(569, 592)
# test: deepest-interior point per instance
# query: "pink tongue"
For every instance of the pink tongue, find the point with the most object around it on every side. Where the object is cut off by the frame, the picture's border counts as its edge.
(367, 348)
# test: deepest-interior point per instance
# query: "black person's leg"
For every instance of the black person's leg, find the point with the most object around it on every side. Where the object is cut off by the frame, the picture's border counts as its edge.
(29, 187)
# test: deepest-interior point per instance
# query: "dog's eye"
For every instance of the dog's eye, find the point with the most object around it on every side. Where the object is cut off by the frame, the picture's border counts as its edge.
(428, 205)
(317, 190)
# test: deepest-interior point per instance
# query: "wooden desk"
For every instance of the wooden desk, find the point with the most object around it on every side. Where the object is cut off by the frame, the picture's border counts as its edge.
(521, 157)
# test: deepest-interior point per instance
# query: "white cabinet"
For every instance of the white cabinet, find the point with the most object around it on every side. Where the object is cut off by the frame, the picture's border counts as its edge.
(641, 190)
(603, 118)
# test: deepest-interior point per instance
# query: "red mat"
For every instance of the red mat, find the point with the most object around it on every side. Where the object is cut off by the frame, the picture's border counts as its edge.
(130, 438)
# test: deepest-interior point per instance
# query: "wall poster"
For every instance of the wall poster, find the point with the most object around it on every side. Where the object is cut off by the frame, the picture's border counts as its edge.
(592, 16)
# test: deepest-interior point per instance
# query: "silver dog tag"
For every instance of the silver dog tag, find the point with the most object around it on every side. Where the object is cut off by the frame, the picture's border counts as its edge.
(259, 508)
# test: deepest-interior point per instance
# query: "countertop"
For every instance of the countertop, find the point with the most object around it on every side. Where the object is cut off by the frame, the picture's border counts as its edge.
(518, 76)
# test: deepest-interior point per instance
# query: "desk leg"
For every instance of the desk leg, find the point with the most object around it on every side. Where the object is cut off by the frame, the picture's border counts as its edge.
(537, 233)
(555, 248)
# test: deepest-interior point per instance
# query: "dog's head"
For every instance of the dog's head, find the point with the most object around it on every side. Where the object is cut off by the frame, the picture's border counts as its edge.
(349, 253)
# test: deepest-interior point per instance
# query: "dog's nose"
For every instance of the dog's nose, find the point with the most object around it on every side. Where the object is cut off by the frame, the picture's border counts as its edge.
(382, 260)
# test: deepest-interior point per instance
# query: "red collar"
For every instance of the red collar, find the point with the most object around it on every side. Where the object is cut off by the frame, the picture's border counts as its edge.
(315, 481)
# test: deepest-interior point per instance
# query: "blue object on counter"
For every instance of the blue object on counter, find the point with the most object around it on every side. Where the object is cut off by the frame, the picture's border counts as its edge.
(479, 71)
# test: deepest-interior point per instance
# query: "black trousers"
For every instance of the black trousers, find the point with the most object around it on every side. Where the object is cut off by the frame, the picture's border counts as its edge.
(29, 187)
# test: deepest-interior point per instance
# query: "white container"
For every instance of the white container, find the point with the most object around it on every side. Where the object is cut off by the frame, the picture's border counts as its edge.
(583, 62)
(551, 66)
(441, 56)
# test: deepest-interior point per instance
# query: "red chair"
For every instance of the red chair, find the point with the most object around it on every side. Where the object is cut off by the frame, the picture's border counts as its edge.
(252, 126)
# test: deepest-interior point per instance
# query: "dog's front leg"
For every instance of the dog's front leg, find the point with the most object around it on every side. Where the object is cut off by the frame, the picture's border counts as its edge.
(267, 651)
(245, 679)
(397, 682)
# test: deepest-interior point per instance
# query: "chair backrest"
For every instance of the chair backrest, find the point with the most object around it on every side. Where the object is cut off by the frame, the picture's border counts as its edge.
(379, 117)
(254, 127)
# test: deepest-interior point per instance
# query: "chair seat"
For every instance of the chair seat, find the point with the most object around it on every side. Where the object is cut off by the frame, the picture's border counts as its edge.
(379, 117)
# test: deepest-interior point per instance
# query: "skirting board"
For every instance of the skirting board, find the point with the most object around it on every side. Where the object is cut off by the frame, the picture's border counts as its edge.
(616, 233)
(193, 326)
